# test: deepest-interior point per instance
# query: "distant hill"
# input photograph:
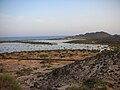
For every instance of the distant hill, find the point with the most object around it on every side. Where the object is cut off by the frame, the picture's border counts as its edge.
(114, 39)
(101, 72)
(96, 38)
(92, 35)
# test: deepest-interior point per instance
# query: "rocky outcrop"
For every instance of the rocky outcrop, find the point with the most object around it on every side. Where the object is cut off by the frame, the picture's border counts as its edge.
(103, 66)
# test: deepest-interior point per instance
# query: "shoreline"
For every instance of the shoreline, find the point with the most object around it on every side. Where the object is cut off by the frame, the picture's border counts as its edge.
(28, 42)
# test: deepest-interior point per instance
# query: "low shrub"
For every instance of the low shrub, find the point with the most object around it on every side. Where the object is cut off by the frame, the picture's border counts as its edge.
(92, 84)
(8, 82)
(24, 71)
(44, 55)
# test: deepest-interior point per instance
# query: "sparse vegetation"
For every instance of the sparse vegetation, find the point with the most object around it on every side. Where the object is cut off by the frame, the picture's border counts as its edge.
(47, 63)
(72, 88)
(56, 73)
(24, 71)
(50, 54)
(1, 68)
(44, 55)
(91, 84)
(8, 82)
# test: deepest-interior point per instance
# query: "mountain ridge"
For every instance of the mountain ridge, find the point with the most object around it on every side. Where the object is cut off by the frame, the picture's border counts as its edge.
(92, 35)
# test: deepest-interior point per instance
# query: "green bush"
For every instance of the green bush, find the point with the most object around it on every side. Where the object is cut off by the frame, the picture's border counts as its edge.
(91, 82)
(7, 82)
(56, 72)
(94, 83)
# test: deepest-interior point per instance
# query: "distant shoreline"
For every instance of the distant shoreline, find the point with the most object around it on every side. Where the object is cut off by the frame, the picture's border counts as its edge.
(29, 42)
(29, 38)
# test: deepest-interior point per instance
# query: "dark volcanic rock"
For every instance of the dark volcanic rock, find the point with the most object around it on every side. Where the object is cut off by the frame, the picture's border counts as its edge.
(104, 66)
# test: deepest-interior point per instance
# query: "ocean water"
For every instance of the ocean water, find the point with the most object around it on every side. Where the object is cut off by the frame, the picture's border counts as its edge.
(29, 38)
(17, 47)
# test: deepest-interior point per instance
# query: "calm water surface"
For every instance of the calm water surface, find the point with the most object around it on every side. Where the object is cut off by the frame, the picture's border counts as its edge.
(13, 47)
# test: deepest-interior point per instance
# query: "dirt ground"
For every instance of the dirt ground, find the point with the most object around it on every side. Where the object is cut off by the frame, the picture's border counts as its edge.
(27, 72)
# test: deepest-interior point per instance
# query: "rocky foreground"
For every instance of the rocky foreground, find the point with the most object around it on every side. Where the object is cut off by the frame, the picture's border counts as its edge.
(105, 67)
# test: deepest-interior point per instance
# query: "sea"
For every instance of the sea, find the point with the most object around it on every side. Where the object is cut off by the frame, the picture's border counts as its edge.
(18, 47)
(29, 38)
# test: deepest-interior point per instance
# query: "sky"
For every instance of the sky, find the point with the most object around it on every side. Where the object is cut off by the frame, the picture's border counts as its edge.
(58, 17)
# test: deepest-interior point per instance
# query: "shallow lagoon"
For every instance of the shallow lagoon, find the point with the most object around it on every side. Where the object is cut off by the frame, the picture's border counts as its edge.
(17, 47)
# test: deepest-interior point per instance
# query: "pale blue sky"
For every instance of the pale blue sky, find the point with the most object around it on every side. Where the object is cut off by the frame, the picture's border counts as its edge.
(58, 17)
